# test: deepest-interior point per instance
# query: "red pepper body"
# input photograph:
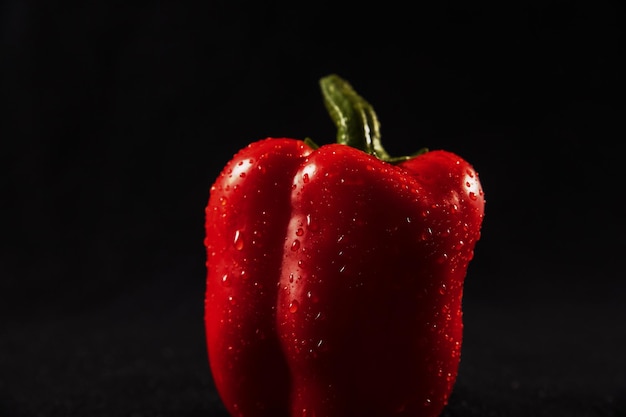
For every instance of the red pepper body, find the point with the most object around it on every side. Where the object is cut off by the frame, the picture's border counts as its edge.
(335, 280)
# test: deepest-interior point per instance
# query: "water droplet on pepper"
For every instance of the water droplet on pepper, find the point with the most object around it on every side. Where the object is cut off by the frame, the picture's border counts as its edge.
(226, 280)
(312, 297)
(238, 240)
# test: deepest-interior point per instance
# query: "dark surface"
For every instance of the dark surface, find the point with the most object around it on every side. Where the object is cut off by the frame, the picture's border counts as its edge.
(118, 118)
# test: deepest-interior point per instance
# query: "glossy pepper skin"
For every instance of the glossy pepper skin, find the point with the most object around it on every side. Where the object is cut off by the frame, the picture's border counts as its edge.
(335, 274)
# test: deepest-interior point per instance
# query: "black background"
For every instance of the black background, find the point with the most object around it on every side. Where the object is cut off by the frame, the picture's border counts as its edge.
(118, 117)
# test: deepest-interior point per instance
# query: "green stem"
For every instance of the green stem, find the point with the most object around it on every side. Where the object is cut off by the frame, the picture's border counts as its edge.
(356, 121)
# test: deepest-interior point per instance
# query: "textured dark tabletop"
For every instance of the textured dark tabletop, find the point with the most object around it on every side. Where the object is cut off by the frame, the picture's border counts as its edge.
(118, 118)
(143, 354)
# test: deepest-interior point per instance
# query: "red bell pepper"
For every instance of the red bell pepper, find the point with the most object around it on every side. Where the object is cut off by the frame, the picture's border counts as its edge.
(335, 273)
